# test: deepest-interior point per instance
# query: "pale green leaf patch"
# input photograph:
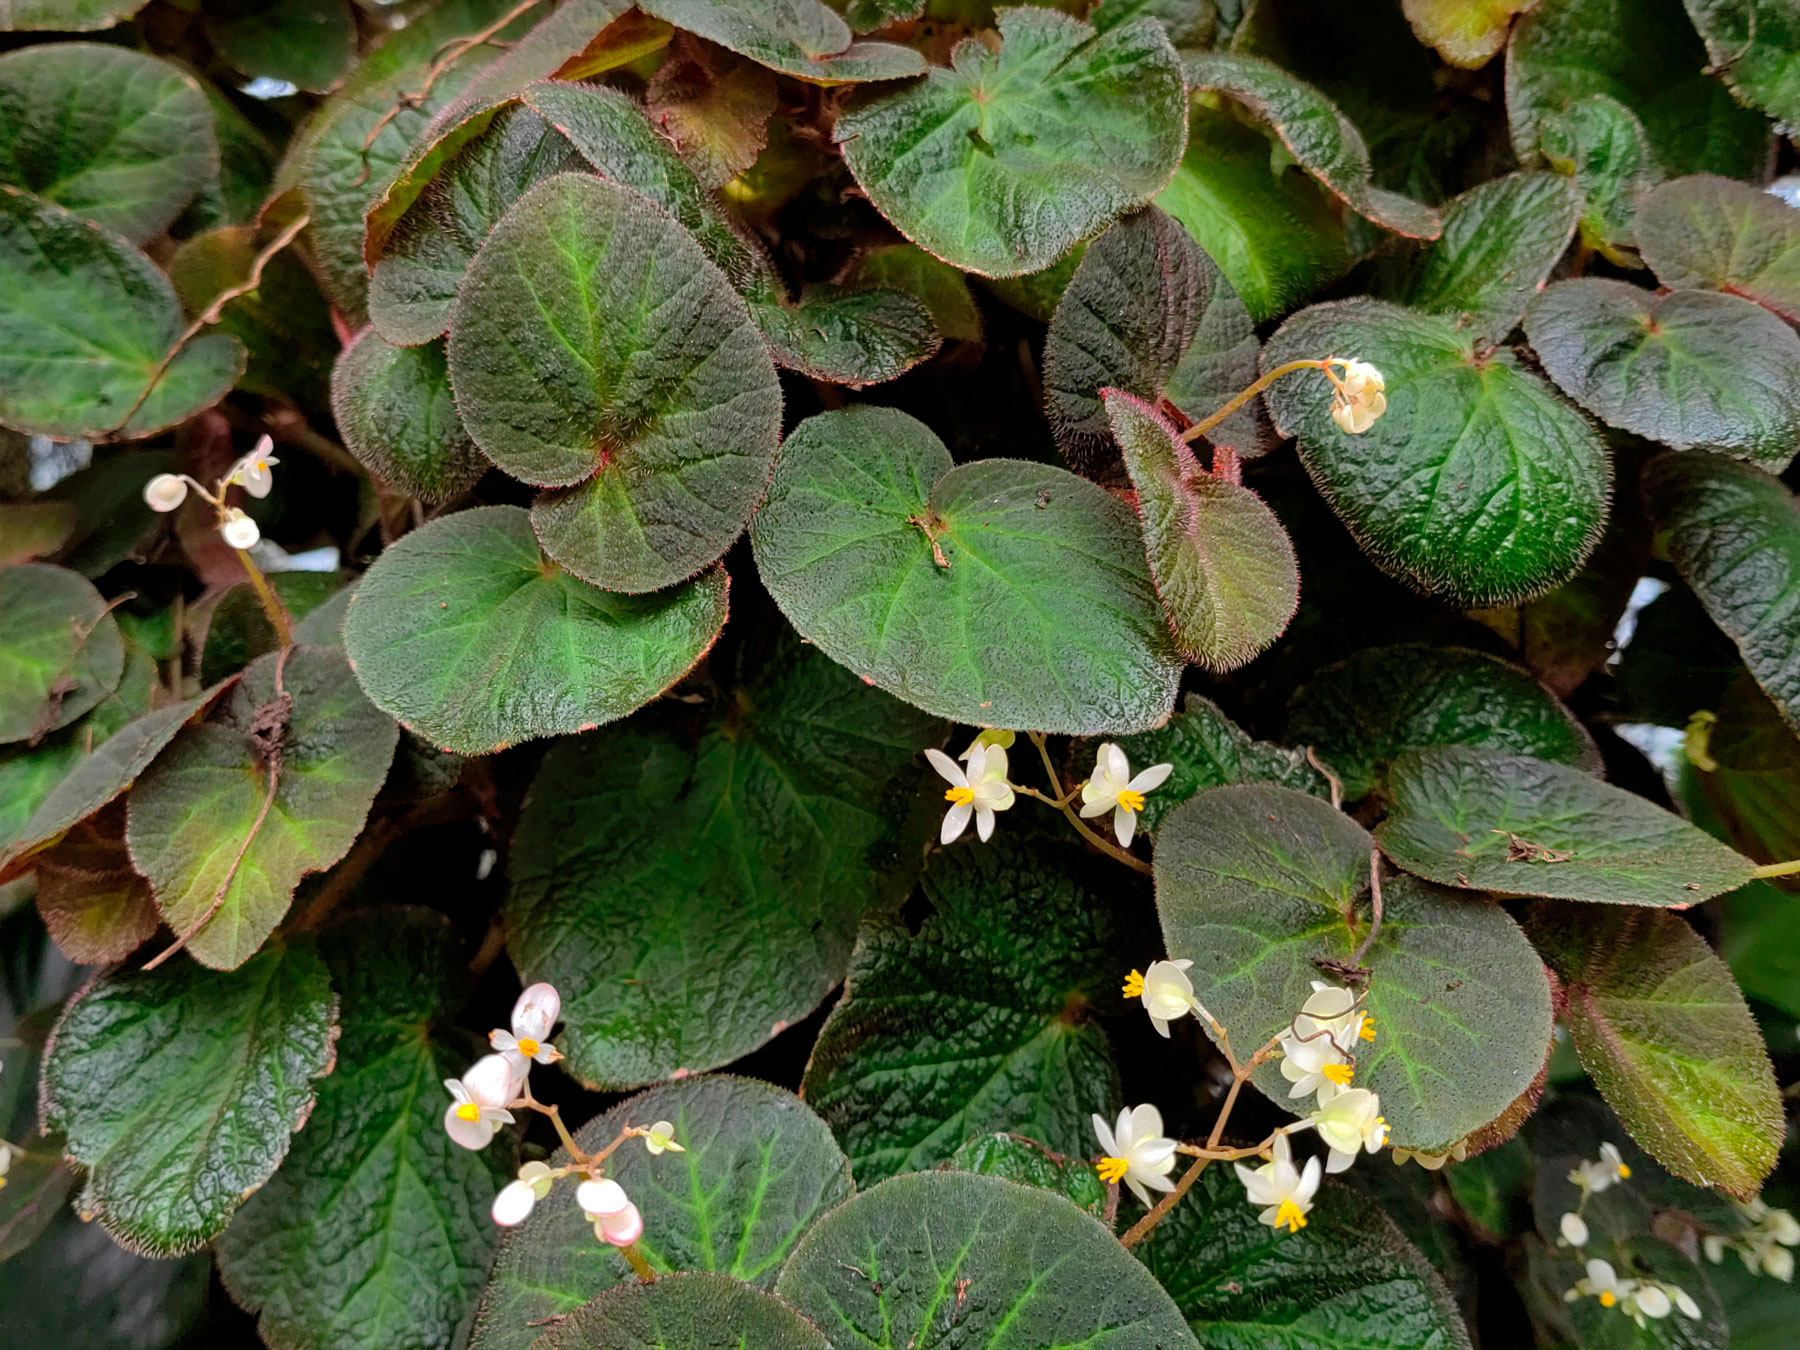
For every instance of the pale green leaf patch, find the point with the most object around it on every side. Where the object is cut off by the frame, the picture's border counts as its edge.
(690, 1310)
(60, 650)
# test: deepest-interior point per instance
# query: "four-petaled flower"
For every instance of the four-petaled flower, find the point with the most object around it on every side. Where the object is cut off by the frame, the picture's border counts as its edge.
(978, 792)
(660, 1138)
(1136, 1152)
(1349, 1121)
(533, 1015)
(1315, 1051)
(1359, 396)
(1166, 991)
(1112, 788)
(477, 1108)
(1285, 1192)
(1595, 1176)
(616, 1220)
(252, 471)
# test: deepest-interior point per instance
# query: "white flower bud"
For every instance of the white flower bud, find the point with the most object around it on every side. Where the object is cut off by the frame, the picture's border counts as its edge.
(165, 492)
(600, 1198)
(514, 1203)
(238, 529)
(1574, 1230)
(1778, 1263)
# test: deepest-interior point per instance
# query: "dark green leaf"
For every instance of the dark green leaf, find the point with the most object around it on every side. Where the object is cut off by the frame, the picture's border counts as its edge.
(121, 138)
(1755, 45)
(941, 288)
(180, 1089)
(1029, 1163)
(60, 650)
(695, 1310)
(309, 43)
(235, 194)
(224, 853)
(1586, 1322)
(395, 411)
(1708, 231)
(759, 1171)
(1600, 143)
(802, 38)
(1002, 161)
(1757, 921)
(1256, 884)
(1481, 819)
(980, 1021)
(465, 633)
(1479, 483)
(1190, 23)
(1036, 566)
(126, 1302)
(1360, 715)
(850, 336)
(238, 630)
(1663, 1030)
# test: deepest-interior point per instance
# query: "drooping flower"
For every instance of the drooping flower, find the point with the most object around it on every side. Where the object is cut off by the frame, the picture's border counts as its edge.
(991, 736)
(1166, 991)
(1359, 396)
(1315, 1051)
(1112, 788)
(977, 792)
(165, 492)
(1601, 1282)
(1596, 1175)
(477, 1108)
(660, 1138)
(516, 1198)
(1574, 1230)
(1136, 1152)
(533, 1016)
(616, 1220)
(1762, 1244)
(1349, 1122)
(238, 529)
(1432, 1162)
(1285, 1192)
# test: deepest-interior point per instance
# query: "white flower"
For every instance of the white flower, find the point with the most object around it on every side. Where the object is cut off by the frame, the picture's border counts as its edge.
(1647, 1300)
(1112, 788)
(1359, 397)
(1136, 1152)
(238, 529)
(1594, 1177)
(478, 1102)
(1715, 1246)
(1574, 1230)
(533, 1015)
(165, 492)
(515, 1201)
(616, 1220)
(1777, 1263)
(1167, 993)
(1349, 1121)
(660, 1138)
(979, 792)
(1315, 1050)
(1285, 1192)
(1602, 1282)
(6, 1156)
(252, 471)
(991, 736)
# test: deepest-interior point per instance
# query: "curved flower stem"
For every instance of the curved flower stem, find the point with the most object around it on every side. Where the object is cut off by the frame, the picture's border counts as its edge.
(1063, 803)
(1206, 424)
(1780, 869)
(272, 606)
(1142, 1228)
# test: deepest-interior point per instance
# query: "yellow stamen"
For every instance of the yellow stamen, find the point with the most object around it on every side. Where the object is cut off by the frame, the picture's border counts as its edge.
(1368, 1029)
(962, 796)
(1624, 1172)
(1290, 1215)
(1130, 800)
(1134, 984)
(1112, 1169)
(468, 1111)
(527, 1046)
(1339, 1073)
(1608, 1298)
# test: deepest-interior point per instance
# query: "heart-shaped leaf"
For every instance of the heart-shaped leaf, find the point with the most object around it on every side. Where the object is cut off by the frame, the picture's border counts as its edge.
(1734, 535)
(692, 1310)
(951, 587)
(60, 650)
(1755, 46)
(715, 107)
(1484, 820)
(180, 1089)
(1321, 139)
(759, 1170)
(1223, 566)
(395, 411)
(1002, 161)
(1499, 243)
(1645, 54)
(1667, 1037)
(928, 1049)
(308, 43)
(276, 783)
(1148, 313)
(116, 320)
(1241, 1283)
(121, 138)
(1730, 236)
(466, 634)
(1602, 146)
(1479, 483)
(1361, 714)
(1466, 33)
(791, 806)
(1692, 369)
(1256, 885)
(594, 347)
(396, 1241)
(802, 38)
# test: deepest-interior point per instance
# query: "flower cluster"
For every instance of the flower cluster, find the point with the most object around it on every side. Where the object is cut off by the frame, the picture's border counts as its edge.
(1591, 1178)
(979, 788)
(1644, 1301)
(167, 491)
(1763, 1244)
(1359, 395)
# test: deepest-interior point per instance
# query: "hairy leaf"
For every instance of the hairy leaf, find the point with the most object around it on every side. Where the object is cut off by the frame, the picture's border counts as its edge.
(1755, 46)
(1601, 144)
(802, 38)
(1466, 33)
(1029, 1163)
(65, 16)
(395, 411)
(308, 43)
(715, 108)
(60, 650)
(1709, 231)
(693, 1310)
(91, 899)
(941, 288)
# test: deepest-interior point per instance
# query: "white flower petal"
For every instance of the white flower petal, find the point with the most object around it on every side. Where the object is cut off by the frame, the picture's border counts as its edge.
(471, 1134)
(1151, 778)
(536, 1012)
(601, 1197)
(984, 824)
(513, 1203)
(948, 769)
(623, 1228)
(489, 1081)
(956, 820)
(1117, 766)
(1124, 826)
(1103, 1132)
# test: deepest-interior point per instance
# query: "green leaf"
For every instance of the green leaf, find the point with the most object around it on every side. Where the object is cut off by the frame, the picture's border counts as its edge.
(848, 336)
(1733, 534)
(982, 1020)
(309, 43)
(60, 650)
(1245, 1286)
(1002, 161)
(694, 1310)
(1479, 483)
(395, 1244)
(1692, 369)
(656, 879)
(238, 629)
(1708, 231)
(886, 1268)
(1206, 749)
(224, 853)
(715, 107)
(28, 774)
(85, 321)
(1030, 1164)
(66, 16)
(802, 38)
(1223, 566)
(760, 1169)
(1321, 139)
(1645, 54)
(1663, 1030)
(1036, 294)
(1257, 884)
(1190, 23)
(1272, 230)
(235, 194)
(1363, 713)
(468, 636)
(594, 347)
(1600, 143)
(1484, 820)
(941, 288)
(395, 411)
(1148, 313)
(424, 258)
(180, 1089)
(1465, 33)
(1500, 241)
(1756, 921)
(1755, 46)
(121, 138)
(1039, 570)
